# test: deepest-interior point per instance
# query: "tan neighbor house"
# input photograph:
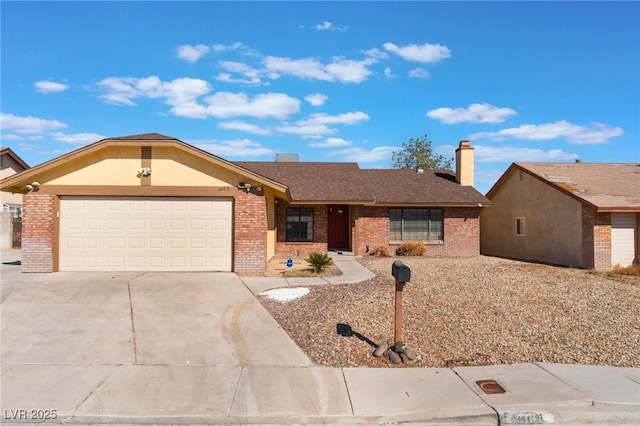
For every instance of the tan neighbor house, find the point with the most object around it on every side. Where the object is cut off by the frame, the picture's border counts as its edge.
(585, 215)
(10, 164)
(152, 202)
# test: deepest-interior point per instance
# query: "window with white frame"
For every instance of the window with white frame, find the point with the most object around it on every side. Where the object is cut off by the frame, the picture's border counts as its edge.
(520, 226)
(16, 209)
(416, 224)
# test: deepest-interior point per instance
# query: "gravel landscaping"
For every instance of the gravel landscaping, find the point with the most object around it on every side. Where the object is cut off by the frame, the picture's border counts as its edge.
(474, 311)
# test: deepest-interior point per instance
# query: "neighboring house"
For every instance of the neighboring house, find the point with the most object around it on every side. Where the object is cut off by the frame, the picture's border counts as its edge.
(585, 215)
(10, 164)
(152, 202)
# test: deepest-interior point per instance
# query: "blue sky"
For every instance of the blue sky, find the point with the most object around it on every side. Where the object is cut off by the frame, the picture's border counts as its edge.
(332, 81)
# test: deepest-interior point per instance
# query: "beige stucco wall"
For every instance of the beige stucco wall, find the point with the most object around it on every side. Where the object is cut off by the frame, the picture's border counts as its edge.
(172, 167)
(9, 168)
(553, 223)
(119, 166)
(110, 166)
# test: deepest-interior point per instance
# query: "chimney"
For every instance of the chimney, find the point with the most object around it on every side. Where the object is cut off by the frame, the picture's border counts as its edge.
(286, 158)
(464, 164)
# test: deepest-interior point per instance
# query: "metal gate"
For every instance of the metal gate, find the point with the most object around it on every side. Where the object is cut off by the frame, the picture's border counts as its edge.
(16, 232)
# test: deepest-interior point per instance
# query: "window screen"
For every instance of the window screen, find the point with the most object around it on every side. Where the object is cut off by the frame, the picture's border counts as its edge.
(416, 224)
(299, 224)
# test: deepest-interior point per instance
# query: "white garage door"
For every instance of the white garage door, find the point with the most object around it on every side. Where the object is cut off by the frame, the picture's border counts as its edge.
(623, 238)
(145, 234)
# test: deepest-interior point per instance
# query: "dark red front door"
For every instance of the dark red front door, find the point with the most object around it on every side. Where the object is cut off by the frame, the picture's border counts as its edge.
(338, 237)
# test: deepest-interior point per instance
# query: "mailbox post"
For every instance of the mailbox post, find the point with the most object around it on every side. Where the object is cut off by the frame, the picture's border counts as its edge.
(402, 274)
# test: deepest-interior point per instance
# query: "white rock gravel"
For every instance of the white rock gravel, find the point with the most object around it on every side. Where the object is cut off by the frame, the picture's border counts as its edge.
(285, 294)
(473, 311)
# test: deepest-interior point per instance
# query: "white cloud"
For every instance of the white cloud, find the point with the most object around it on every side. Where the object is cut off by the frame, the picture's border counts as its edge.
(239, 148)
(376, 54)
(418, 73)
(78, 138)
(331, 143)
(361, 155)
(306, 130)
(488, 154)
(47, 86)
(324, 26)
(245, 127)
(222, 47)
(316, 99)
(348, 118)
(424, 53)
(342, 70)
(595, 134)
(227, 104)
(183, 95)
(28, 125)
(250, 74)
(317, 125)
(349, 71)
(192, 53)
(388, 73)
(475, 113)
(328, 26)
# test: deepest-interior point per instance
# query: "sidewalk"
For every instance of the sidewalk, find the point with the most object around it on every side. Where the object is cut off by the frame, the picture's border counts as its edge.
(268, 387)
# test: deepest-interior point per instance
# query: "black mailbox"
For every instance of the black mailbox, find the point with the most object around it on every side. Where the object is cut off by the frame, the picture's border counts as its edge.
(401, 272)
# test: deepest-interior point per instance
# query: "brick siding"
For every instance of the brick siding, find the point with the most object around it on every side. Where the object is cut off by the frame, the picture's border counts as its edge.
(461, 232)
(596, 240)
(602, 242)
(371, 229)
(250, 239)
(38, 232)
(302, 249)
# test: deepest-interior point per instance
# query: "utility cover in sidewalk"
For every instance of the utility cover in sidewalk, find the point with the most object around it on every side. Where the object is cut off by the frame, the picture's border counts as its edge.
(490, 387)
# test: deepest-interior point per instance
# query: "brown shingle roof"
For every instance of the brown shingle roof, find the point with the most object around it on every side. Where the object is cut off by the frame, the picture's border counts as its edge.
(9, 152)
(144, 137)
(433, 187)
(316, 181)
(346, 182)
(606, 186)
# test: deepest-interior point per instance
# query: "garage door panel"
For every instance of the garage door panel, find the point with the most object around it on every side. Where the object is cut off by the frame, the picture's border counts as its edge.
(623, 238)
(145, 234)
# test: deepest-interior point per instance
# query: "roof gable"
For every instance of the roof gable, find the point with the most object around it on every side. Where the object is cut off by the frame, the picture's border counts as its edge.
(8, 153)
(126, 150)
(604, 186)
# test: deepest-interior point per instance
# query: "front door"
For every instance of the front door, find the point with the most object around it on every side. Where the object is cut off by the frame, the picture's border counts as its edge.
(338, 232)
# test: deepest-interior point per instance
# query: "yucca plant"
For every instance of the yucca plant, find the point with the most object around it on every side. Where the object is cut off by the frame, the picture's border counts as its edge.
(318, 261)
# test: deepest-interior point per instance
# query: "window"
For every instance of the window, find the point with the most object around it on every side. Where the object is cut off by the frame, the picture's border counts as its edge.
(14, 208)
(416, 224)
(300, 224)
(520, 226)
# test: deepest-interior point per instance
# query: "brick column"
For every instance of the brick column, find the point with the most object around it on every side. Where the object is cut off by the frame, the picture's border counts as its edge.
(38, 232)
(588, 237)
(250, 234)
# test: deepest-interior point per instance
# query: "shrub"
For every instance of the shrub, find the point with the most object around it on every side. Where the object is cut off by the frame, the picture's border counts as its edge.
(380, 251)
(633, 270)
(412, 248)
(318, 261)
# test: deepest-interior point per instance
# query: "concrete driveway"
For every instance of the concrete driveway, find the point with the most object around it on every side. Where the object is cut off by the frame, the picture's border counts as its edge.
(137, 318)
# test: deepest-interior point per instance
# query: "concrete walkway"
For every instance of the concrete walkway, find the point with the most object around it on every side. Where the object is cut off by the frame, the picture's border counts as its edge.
(199, 349)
